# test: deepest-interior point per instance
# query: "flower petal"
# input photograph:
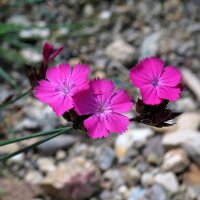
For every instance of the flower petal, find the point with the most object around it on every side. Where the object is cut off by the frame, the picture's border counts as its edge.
(117, 123)
(96, 127)
(102, 87)
(84, 102)
(149, 95)
(59, 73)
(121, 102)
(170, 93)
(45, 91)
(80, 74)
(171, 76)
(62, 105)
(147, 70)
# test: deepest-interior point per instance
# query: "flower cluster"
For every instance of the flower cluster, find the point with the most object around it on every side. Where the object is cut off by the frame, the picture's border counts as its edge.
(97, 106)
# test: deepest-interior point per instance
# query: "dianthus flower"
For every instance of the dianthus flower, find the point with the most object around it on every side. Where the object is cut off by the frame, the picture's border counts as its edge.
(156, 82)
(105, 106)
(61, 83)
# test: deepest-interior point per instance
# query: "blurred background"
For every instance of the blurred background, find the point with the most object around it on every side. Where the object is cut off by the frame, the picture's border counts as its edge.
(146, 163)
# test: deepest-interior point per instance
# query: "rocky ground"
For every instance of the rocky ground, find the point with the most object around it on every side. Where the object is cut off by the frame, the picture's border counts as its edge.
(146, 163)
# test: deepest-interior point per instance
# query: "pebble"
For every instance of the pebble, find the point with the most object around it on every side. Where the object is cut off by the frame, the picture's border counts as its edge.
(35, 33)
(34, 177)
(168, 181)
(189, 121)
(131, 176)
(186, 104)
(18, 190)
(192, 177)
(105, 15)
(75, 179)
(192, 146)
(19, 20)
(149, 46)
(154, 150)
(133, 137)
(61, 155)
(105, 158)
(46, 164)
(178, 138)
(147, 179)
(121, 51)
(137, 194)
(31, 55)
(175, 160)
(158, 193)
(52, 146)
(88, 10)
(115, 177)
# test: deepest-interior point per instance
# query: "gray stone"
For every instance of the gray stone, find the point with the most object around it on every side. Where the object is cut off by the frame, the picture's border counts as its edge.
(168, 181)
(175, 160)
(105, 158)
(179, 137)
(133, 137)
(149, 46)
(131, 175)
(158, 193)
(52, 146)
(154, 150)
(76, 179)
(121, 51)
(192, 146)
(115, 177)
(138, 193)
(147, 179)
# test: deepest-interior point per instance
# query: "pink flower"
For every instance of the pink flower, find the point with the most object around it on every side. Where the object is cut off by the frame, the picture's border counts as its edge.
(104, 106)
(61, 84)
(156, 82)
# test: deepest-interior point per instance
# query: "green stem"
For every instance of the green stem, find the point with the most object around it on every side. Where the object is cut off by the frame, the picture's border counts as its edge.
(15, 99)
(43, 133)
(3, 158)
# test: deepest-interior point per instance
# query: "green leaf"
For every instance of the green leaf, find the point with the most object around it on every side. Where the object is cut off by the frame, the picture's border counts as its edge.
(43, 133)
(3, 158)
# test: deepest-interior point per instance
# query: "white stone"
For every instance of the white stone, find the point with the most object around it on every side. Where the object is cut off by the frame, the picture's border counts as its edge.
(46, 164)
(147, 179)
(149, 46)
(41, 33)
(30, 55)
(134, 136)
(105, 15)
(177, 138)
(121, 51)
(168, 181)
(175, 160)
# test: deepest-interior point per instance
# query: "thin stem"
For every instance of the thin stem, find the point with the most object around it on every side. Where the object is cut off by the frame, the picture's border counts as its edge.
(43, 133)
(3, 158)
(15, 99)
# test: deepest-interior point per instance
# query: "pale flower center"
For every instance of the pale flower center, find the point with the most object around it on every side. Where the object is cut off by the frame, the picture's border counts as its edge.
(65, 88)
(104, 107)
(155, 82)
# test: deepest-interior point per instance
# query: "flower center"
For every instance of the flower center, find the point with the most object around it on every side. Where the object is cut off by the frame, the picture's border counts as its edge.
(104, 107)
(65, 88)
(155, 82)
